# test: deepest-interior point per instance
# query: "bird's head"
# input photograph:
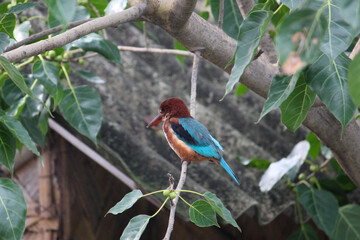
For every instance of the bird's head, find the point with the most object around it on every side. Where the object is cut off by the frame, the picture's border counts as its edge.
(172, 107)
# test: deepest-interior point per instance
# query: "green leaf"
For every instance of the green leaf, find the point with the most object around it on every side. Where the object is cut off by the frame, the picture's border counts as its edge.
(115, 6)
(279, 16)
(251, 32)
(354, 79)
(350, 11)
(339, 34)
(334, 187)
(257, 163)
(348, 223)
(328, 80)
(295, 108)
(241, 90)
(15, 75)
(280, 89)
(30, 125)
(135, 228)
(232, 16)
(292, 4)
(179, 46)
(286, 166)
(12, 210)
(81, 13)
(81, 107)
(18, 8)
(63, 10)
(300, 32)
(220, 209)
(4, 41)
(4, 7)
(90, 77)
(127, 202)
(7, 24)
(305, 232)
(95, 43)
(16, 108)
(202, 214)
(321, 205)
(19, 131)
(7, 148)
(48, 75)
(315, 145)
(100, 5)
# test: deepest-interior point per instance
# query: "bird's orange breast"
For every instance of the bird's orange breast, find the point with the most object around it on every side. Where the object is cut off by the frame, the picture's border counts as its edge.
(184, 151)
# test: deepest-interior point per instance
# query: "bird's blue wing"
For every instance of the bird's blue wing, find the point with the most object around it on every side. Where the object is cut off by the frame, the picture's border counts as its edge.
(196, 136)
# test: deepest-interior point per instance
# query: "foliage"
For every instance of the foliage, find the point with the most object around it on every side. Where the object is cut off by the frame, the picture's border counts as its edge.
(313, 40)
(202, 212)
(323, 192)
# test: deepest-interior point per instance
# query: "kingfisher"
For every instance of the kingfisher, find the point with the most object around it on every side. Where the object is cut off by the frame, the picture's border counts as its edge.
(189, 139)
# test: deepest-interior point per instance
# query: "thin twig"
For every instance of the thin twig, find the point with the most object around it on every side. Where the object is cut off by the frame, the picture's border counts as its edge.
(355, 50)
(98, 15)
(313, 173)
(112, 20)
(45, 33)
(134, 49)
(185, 163)
(221, 13)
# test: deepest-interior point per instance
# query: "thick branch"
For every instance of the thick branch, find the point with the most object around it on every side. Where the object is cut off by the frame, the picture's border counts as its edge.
(60, 40)
(219, 49)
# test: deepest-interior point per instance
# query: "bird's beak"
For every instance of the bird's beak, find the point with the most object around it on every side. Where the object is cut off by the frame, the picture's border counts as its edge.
(156, 120)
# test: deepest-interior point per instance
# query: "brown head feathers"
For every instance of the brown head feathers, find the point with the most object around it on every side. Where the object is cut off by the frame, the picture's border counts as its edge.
(174, 107)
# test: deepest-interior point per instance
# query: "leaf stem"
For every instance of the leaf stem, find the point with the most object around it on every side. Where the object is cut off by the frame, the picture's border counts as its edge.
(25, 63)
(278, 9)
(161, 207)
(189, 191)
(148, 194)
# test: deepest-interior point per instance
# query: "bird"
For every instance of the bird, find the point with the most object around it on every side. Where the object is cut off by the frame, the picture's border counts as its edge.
(189, 139)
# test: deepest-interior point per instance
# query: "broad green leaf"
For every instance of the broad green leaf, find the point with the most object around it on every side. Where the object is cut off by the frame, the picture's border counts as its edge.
(315, 145)
(292, 4)
(95, 43)
(289, 165)
(63, 10)
(232, 16)
(48, 75)
(12, 210)
(135, 228)
(30, 125)
(81, 107)
(345, 182)
(7, 148)
(295, 108)
(328, 80)
(258, 163)
(334, 187)
(16, 108)
(280, 89)
(15, 75)
(4, 7)
(100, 5)
(179, 46)
(90, 77)
(350, 11)
(202, 214)
(300, 33)
(251, 32)
(220, 209)
(127, 202)
(19, 131)
(354, 79)
(348, 223)
(321, 205)
(4, 41)
(241, 90)
(81, 13)
(305, 232)
(115, 6)
(7, 24)
(338, 35)
(18, 8)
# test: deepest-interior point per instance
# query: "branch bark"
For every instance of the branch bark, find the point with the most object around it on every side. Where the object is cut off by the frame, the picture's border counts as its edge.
(113, 20)
(219, 49)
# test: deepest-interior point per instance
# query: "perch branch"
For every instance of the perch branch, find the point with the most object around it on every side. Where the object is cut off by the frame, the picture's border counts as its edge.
(62, 39)
(185, 163)
(221, 13)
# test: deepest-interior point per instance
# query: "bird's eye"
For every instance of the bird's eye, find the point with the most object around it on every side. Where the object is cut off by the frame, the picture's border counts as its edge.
(162, 110)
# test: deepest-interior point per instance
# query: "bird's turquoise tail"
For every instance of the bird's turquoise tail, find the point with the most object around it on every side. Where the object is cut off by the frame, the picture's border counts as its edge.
(228, 169)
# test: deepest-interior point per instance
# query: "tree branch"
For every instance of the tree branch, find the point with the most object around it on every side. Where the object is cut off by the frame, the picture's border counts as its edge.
(221, 13)
(112, 20)
(185, 163)
(355, 50)
(45, 33)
